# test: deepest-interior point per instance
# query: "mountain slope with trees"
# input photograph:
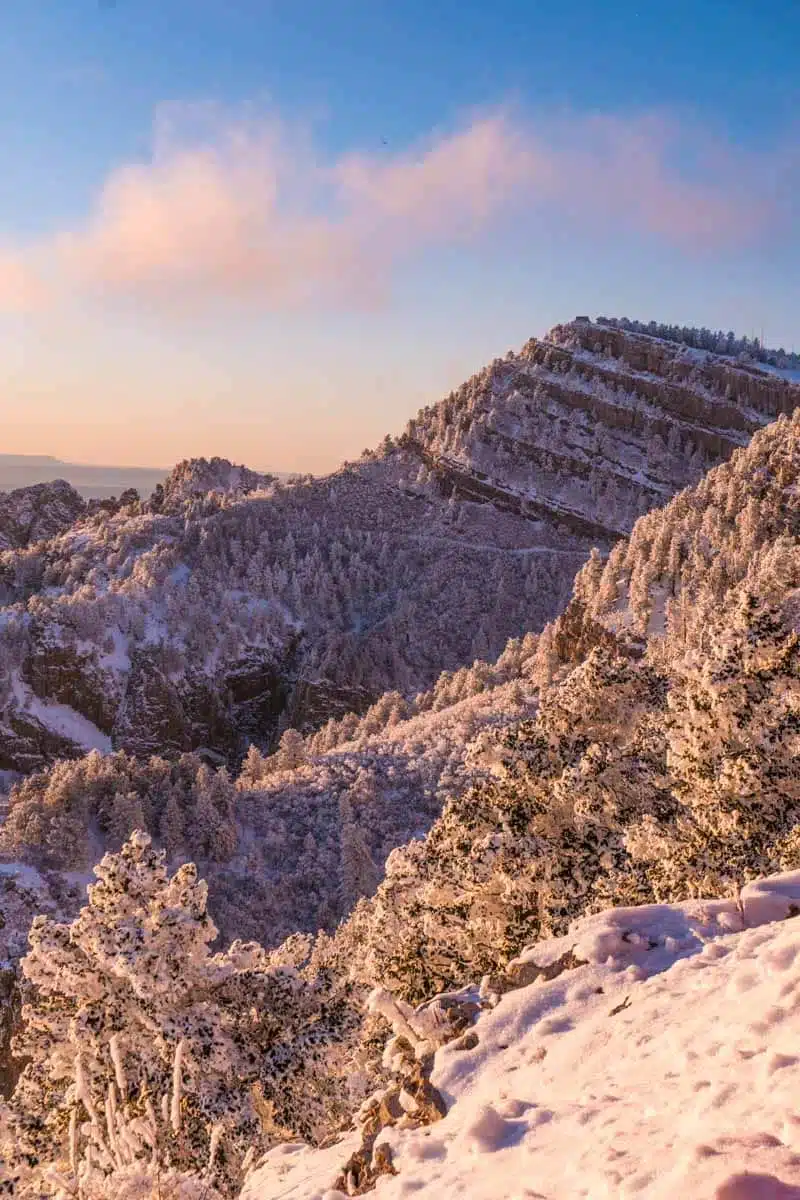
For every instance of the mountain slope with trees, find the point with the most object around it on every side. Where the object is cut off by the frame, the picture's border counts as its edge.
(662, 761)
(596, 718)
(231, 605)
(640, 750)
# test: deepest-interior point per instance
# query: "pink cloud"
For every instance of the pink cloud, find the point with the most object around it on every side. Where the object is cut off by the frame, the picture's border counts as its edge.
(248, 210)
(628, 170)
(457, 185)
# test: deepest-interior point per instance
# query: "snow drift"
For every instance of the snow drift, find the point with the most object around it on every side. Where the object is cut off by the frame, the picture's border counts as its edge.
(667, 1064)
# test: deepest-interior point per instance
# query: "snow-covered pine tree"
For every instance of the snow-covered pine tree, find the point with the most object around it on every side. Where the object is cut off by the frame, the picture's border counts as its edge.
(732, 757)
(292, 750)
(358, 870)
(254, 769)
(142, 1044)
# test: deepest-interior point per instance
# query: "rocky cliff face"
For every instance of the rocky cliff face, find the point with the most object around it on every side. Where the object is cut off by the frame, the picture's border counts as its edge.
(232, 605)
(594, 426)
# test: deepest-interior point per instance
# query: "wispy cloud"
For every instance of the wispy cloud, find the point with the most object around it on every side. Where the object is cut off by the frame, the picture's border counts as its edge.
(247, 209)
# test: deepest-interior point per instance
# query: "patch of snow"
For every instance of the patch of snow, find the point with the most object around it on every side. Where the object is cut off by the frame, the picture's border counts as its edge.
(772, 899)
(271, 606)
(118, 659)
(28, 876)
(667, 1065)
(657, 624)
(156, 629)
(61, 719)
(791, 375)
(179, 575)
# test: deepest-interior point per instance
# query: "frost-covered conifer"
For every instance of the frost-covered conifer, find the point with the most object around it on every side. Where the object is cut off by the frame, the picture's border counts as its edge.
(141, 1042)
(254, 768)
(358, 871)
(291, 752)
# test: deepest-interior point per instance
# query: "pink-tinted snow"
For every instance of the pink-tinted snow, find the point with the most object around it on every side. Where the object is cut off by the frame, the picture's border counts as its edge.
(668, 1065)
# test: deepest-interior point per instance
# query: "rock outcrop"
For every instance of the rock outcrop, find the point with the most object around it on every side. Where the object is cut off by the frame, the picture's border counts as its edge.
(195, 478)
(34, 514)
(593, 426)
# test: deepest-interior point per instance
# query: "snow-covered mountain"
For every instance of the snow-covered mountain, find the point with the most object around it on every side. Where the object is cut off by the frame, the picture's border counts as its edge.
(232, 605)
(207, 627)
(662, 759)
(594, 425)
(536, 988)
(301, 834)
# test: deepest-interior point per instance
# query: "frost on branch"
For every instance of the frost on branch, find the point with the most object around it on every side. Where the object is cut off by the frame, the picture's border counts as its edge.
(144, 1046)
(657, 778)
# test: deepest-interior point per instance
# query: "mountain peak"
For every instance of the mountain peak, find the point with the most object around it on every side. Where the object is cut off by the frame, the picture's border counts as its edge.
(595, 424)
(196, 477)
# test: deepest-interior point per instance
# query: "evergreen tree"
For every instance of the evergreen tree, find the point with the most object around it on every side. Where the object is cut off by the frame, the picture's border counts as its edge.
(358, 871)
(142, 1044)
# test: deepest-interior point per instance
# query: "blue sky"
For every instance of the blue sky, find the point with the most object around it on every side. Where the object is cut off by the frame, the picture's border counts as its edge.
(273, 230)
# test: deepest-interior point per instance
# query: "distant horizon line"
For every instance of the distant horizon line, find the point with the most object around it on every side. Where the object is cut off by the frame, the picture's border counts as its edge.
(117, 466)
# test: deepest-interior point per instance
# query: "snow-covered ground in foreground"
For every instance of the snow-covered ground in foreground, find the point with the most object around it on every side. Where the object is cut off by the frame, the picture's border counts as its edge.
(667, 1066)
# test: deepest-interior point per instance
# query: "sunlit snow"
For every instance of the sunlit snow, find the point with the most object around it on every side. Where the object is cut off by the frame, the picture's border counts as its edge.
(666, 1066)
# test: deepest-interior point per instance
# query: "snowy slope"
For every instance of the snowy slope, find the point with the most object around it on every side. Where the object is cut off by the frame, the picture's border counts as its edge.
(61, 719)
(594, 426)
(667, 1065)
(791, 375)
